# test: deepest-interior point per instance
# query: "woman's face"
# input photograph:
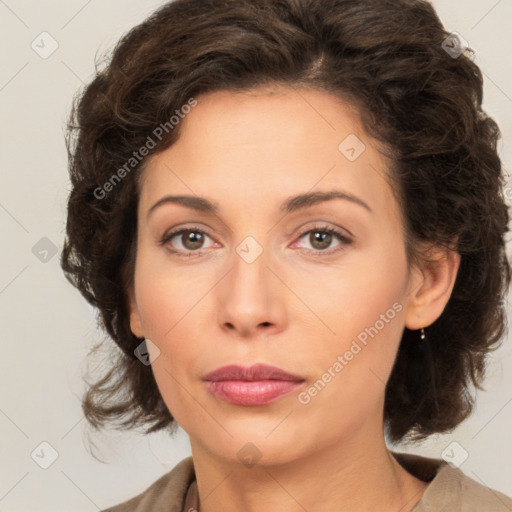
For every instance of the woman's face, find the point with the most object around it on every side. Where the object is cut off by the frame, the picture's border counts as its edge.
(261, 281)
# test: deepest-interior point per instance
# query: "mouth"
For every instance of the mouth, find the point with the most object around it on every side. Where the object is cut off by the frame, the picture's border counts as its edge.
(251, 386)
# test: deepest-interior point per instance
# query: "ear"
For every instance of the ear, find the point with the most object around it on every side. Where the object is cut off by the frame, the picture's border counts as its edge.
(135, 318)
(431, 285)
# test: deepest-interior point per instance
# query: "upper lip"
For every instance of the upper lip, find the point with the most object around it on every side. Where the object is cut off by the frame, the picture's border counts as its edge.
(251, 373)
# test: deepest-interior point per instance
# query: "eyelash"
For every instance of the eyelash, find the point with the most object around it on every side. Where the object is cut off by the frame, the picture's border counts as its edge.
(318, 253)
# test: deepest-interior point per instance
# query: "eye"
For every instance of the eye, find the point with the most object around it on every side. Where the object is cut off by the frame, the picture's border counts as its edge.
(191, 240)
(321, 238)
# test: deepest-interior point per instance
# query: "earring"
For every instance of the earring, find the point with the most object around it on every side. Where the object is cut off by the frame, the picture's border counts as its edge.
(422, 335)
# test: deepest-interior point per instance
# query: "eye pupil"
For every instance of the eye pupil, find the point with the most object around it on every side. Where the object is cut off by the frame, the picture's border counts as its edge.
(322, 237)
(193, 237)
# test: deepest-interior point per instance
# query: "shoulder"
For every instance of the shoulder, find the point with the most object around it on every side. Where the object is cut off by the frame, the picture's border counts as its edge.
(451, 489)
(455, 487)
(166, 494)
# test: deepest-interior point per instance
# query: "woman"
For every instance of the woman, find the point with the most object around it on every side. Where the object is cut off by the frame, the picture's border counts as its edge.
(290, 217)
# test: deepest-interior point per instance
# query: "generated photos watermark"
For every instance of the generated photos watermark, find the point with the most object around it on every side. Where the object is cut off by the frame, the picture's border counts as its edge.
(151, 142)
(343, 360)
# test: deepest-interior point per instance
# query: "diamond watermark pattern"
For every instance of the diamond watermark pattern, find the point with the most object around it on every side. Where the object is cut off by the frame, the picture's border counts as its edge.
(44, 455)
(249, 455)
(352, 147)
(455, 45)
(249, 249)
(147, 352)
(44, 45)
(44, 250)
(454, 454)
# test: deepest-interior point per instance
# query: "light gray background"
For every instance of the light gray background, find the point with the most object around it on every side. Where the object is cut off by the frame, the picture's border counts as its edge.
(47, 327)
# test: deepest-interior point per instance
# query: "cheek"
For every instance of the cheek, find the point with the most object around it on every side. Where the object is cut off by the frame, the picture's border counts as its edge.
(169, 304)
(166, 296)
(164, 314)
(367, 291)
(362, 312)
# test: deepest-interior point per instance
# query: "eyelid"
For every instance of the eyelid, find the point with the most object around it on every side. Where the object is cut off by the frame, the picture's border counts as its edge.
(319, 226)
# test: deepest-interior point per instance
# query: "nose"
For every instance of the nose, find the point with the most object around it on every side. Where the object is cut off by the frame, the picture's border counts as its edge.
(250, 299)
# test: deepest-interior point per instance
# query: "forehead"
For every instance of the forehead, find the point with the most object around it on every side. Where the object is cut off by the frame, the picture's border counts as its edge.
(268, 143)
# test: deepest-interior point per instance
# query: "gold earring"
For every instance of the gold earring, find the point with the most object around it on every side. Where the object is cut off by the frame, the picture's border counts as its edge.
(422, 335)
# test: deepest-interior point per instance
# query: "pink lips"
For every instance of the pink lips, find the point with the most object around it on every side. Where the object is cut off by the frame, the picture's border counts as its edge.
(255, 385)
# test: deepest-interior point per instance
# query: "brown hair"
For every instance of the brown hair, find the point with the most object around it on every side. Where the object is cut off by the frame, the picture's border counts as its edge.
(422, 103)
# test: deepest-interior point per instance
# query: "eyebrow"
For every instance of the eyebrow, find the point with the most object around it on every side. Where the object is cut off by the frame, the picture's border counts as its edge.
(291, 204)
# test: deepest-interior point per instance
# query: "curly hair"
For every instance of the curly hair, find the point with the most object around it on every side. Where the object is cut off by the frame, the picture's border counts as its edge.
(389, 59)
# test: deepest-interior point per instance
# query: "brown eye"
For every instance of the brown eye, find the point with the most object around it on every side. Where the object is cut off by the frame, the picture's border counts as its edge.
(320, 239)
(192, 239)
(185, 241)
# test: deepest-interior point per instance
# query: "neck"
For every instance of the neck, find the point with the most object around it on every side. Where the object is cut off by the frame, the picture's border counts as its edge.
(354, 476)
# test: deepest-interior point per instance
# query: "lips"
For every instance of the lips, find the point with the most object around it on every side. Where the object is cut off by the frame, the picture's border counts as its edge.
(251, 386)
(253, 373)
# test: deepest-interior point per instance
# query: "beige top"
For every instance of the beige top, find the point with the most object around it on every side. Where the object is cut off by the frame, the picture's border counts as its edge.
(450, 490)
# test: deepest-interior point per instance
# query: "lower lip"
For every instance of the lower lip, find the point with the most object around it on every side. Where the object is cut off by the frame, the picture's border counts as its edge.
(259, 392)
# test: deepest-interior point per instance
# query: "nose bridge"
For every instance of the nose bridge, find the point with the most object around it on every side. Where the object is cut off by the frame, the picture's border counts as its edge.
(248, 280)
(248, 299)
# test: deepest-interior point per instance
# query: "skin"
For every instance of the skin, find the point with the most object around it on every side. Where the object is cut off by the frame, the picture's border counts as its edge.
(248, 153)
